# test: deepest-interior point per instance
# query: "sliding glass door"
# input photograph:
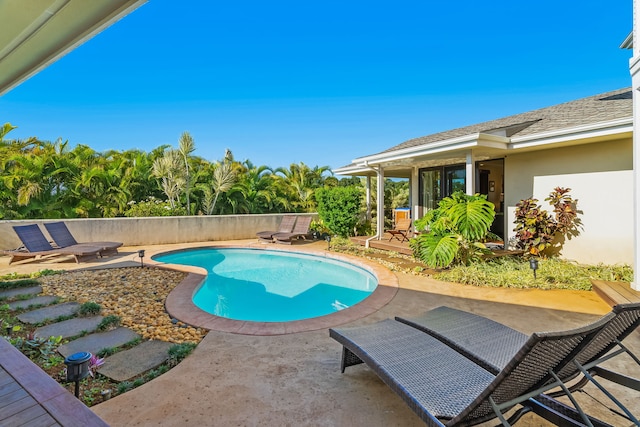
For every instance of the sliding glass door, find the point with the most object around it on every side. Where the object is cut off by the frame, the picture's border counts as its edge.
(455, 179)
(440, 182)
(430, 180)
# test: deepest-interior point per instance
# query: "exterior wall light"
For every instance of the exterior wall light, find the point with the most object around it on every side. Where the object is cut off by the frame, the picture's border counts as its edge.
(77, 368)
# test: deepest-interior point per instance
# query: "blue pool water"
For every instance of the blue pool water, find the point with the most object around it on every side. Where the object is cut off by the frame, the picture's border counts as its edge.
(273, 286)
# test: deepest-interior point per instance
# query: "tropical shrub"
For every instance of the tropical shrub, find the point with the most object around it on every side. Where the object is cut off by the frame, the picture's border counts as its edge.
(454, 231)
(338, 208)
(153, 207)
(537, 231)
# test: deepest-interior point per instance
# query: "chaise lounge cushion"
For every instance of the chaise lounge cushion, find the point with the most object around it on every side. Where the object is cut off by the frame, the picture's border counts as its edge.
(36, 245)
(63, 238)
(286, 226)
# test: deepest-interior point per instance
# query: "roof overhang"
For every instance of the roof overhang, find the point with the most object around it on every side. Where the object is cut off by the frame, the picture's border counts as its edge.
(399, 163)
(628, 42)
(594, 132)
(36, 33)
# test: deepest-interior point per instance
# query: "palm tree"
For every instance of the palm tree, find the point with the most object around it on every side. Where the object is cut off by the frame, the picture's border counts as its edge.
(185, 148)
(168, 169)
(33, 173)
(253, 192)
(223, 179)
(5, 129)
(300, 182)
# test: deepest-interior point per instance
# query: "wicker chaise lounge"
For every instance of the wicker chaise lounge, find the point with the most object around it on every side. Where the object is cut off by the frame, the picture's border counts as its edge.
(476, 337)
(443, 387)
(64, 239)
(286, 226)
(36, 245)
(301, 229)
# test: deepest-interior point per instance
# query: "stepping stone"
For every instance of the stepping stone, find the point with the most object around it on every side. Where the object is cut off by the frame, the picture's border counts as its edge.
(31, 290)
(135, 361)
(41, 300)
(93, 343)
(49, 313)
(69, 328)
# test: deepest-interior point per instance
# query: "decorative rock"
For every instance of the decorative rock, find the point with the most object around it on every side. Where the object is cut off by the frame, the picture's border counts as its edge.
(146, 287)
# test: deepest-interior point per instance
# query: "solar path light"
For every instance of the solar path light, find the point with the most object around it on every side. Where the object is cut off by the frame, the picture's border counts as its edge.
(533, 264)
(77, 368)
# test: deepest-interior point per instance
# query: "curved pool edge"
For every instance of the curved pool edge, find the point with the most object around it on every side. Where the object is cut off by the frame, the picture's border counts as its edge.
(179, 303)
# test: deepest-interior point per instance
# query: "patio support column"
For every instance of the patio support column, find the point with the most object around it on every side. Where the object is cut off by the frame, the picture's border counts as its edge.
(414, 196)
(368, 198)
(380, 197)
(634, 68)
(471, 174)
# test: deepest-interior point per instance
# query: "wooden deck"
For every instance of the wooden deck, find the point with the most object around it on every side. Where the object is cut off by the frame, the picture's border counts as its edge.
(615, 292)
(403, 247)
(30, 397)
(394, 245)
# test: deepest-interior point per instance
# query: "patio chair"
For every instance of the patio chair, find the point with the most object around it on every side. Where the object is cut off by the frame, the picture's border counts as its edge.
(35, 245)
(286, 226)
(476, 337)
(63, 238)
(402, 230)
(443, 387)
(301, 229)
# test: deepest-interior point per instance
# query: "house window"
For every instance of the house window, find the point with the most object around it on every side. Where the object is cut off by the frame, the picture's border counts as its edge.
(430, 180)
(455, 179)
(440, 182)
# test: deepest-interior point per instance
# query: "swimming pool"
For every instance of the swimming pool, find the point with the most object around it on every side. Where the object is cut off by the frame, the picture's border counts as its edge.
(273, 286)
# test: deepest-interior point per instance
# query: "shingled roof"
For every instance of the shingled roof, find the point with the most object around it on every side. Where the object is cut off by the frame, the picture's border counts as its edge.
(617, 104)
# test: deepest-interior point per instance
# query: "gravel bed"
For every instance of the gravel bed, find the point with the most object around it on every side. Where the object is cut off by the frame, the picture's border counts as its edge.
(135, 294)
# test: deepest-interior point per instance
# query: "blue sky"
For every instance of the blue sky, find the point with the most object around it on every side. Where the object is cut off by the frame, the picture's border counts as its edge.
(318, 82)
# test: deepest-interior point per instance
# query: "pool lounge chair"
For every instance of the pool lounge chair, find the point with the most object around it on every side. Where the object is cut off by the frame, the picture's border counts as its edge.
(64, 239)
(443, 387)
(286, 226)
(35, 245)
(402, 230)
(491, 345)
(301, 229)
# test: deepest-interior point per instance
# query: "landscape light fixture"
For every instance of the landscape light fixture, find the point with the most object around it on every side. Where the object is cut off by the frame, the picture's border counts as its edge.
(328, 239)
(141, 256)
(533, 264)
(77, 368)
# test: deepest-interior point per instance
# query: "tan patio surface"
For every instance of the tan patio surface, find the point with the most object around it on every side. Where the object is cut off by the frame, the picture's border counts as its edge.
(295, 380)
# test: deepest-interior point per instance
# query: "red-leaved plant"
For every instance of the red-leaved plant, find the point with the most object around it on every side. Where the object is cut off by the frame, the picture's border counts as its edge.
(538, 231)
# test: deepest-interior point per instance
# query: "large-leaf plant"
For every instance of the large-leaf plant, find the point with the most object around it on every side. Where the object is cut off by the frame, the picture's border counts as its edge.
(455, 231)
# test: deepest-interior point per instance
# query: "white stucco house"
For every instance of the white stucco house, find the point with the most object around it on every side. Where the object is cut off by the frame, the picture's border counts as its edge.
(586, 145)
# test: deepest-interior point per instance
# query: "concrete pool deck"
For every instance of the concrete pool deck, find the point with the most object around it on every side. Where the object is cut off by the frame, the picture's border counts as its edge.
(295, 379)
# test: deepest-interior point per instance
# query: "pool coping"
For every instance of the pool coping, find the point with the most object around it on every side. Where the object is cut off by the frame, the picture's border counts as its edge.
(179, 303)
